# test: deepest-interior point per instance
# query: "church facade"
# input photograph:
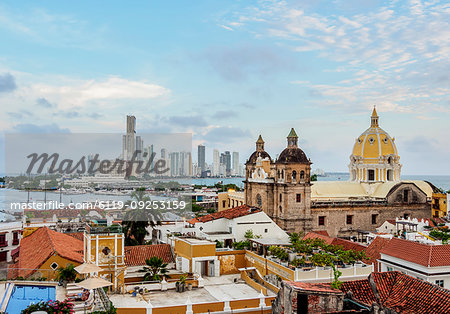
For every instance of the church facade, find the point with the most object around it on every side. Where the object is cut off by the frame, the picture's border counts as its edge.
(374, 193)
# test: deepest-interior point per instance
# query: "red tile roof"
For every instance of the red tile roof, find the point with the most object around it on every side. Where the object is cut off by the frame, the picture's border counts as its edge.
(322, 232)
(43, 243)
(349, 245)
(316, 287)
(313, 235)
(77, 235)
(418, 253)
(346, 244)
(136, 255)
(373, 251)
(400, 293)
(231, 213)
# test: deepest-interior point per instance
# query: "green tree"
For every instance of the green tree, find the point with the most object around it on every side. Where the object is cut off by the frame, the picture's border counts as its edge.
(137, 219)
(67, 273)
(155, 269)
(314, 177)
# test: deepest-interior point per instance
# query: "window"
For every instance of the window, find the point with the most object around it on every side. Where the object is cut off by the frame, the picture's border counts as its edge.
(371, 174)
(224, 204)
(258, 200)
(294, 176)
(281, 197)
(349, 219)
(389, 268)
(266, 230)
(405, 196)
(298, 198)
(302, 175)
(106, 250)
(3, 240)
(374, 219)
(439, 283)
(54, 266)
(281, 209)
(321, 220)
(15, 238)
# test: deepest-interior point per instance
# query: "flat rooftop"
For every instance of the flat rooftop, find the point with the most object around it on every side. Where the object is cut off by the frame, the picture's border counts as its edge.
(195, 241)
(216, 289)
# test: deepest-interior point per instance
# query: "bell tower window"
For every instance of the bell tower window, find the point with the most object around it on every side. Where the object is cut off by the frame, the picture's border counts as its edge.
(371, 174)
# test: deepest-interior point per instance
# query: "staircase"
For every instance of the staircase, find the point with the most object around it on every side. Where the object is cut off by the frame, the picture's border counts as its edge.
(105, 303)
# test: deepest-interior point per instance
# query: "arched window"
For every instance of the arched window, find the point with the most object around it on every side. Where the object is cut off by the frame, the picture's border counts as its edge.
(294, 176)
(302, 175)
(282, 174)
(258, 200)
(281, 197)
(278, 173)
(281, 209)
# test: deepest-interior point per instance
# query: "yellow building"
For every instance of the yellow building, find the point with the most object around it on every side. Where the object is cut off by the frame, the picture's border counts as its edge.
(439, 205)
(196, 256)
(43, 252)
(230, 199)
(374, 157)
(106, 250)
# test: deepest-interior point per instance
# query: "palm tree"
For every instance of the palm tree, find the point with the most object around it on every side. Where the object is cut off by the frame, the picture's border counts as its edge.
(155, 268)
(67, 274)
(136, 220)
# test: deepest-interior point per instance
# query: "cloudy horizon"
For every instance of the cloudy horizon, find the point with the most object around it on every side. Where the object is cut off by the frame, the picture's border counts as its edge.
(229, 71)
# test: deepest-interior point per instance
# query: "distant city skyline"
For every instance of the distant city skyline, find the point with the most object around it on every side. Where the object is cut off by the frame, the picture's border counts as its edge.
(229, 71)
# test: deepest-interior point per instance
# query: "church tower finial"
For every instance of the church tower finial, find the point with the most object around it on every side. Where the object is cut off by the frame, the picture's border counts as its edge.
(260, 144)
(292, 139)
(374, 118)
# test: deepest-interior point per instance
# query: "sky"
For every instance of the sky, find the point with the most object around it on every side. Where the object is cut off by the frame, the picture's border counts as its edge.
(227, 71)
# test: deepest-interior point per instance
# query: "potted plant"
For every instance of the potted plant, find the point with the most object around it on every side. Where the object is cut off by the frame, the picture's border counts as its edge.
(66, 274)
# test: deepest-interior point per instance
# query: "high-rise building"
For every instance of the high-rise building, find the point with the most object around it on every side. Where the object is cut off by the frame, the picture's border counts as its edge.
(201, 158)
(139, 147)
(235, 163)
(128, 140)
(226, 160)
(216, 163)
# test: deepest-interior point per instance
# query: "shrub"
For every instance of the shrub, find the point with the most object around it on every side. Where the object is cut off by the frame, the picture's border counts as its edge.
(51, 307)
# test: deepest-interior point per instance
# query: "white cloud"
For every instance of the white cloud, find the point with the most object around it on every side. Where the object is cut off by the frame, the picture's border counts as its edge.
(83, 92)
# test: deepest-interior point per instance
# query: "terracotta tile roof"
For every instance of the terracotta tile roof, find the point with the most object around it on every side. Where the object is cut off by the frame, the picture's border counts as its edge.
(322, 232)
(231, 213)
(313, 235)
(43, 243)
(316, 287)
(77, 235)
(346, 244)
(400, 293)
(418, 253)
(136, 255)
(373, 251)
(349, 245)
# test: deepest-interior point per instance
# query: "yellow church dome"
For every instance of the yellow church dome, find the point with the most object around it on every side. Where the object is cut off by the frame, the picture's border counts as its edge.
(374, 142)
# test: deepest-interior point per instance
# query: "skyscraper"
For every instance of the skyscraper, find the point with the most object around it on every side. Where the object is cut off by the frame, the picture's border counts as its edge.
(216, 163)
(201, 158)
(139, 147)
(236, 163)
(226, 160)
(128, 140)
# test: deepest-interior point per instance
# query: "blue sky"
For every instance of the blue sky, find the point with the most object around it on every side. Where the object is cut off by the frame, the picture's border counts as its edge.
(229, 70)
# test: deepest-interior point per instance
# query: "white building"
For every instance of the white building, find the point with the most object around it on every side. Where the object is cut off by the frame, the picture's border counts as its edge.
(10, 236)
(216, 163)
(227, 226)
(422, 261)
